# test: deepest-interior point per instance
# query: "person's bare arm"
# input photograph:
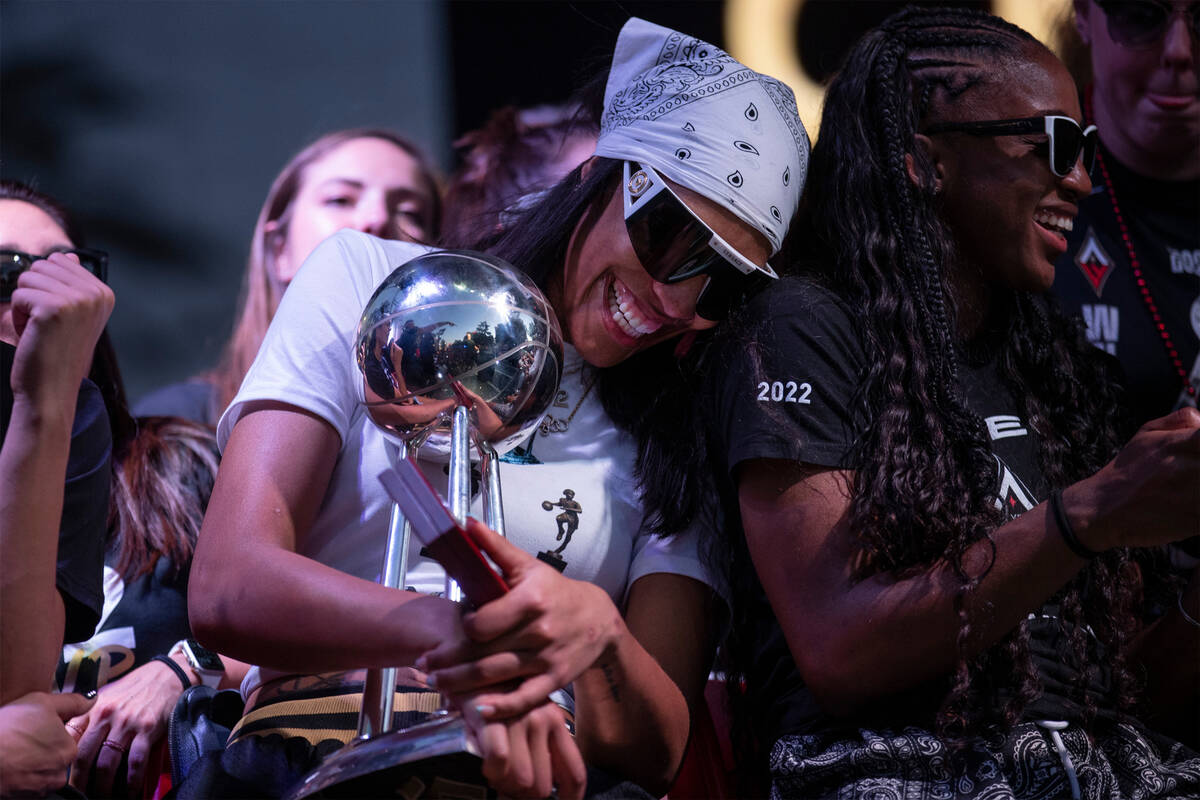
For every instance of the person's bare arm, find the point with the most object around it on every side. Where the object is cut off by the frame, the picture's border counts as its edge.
(634, 706)
(634, 677)
(252, 596)
(842, 632)
(32, 465)
(59, 310)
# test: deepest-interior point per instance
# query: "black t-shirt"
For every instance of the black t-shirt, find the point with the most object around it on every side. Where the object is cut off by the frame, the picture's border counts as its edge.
(1095, 279)
(787, 392)
(142, 619)
(81, 533)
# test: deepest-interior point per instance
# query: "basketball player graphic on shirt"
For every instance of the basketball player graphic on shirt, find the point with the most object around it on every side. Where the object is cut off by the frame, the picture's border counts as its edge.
(568, 520)
(568, 523)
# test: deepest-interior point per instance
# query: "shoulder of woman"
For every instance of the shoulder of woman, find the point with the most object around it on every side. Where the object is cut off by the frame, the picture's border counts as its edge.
(354, 246)
(793, 306)
(791, 295)
(351, 258)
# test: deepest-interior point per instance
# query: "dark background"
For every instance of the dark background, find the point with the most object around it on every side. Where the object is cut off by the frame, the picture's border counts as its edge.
(161, 123)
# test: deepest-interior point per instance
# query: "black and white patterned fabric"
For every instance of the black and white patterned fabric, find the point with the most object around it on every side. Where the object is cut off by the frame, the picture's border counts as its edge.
(707, 122)
(1119, 762)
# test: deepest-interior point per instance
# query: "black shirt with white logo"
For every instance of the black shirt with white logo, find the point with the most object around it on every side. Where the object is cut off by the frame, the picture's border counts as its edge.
(788, 392)
(142, 618)
(1095, 279)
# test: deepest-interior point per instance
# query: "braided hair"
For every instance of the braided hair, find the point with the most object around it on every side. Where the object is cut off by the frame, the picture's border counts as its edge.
(925, 459)
(878, 239)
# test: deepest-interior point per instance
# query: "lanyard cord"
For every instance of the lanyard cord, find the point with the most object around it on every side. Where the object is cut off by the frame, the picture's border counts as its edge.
(1138, 276)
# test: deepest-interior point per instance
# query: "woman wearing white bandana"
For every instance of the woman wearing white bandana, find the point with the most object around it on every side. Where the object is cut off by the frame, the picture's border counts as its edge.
(697, 172)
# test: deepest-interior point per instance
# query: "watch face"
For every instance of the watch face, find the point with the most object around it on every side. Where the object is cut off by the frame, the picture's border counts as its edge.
(203, 658)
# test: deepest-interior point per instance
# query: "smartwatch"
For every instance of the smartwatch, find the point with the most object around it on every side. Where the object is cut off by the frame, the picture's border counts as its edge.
(204, 662)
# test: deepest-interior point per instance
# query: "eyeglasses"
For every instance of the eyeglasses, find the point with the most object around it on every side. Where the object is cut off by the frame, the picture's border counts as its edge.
(14, 262)
(1067, 139)
(673, 244)
(1141, 24)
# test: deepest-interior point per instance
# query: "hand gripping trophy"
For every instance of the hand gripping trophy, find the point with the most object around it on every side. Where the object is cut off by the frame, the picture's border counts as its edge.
(460, 355)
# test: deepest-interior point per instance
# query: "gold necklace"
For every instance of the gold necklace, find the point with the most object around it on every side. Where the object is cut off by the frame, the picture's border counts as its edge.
(551, 424)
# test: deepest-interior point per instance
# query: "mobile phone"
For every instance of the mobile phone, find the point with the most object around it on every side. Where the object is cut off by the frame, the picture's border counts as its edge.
(437, 529)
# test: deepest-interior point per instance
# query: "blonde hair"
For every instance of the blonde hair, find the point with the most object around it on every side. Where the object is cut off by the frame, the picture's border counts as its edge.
(261, 288)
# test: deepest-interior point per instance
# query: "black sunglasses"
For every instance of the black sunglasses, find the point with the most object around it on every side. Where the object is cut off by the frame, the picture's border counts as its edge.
(1067, 139)
(673, 244)
(1142, 23)
(14, 262)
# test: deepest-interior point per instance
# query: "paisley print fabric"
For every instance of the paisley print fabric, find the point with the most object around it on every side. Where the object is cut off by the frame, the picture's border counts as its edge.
(707, 122)
(1120, 762)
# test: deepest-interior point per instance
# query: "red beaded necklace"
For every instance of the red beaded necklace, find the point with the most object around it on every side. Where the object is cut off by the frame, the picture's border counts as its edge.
(1138, 276)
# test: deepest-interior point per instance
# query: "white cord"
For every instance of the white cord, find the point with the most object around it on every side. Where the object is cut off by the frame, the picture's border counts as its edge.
(1054, 726)
(1186, 615)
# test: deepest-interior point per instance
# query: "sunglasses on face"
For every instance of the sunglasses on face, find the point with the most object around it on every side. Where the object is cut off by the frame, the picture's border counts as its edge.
(1142, 23)
(14, 262)
(1067, 139)
(673, 244)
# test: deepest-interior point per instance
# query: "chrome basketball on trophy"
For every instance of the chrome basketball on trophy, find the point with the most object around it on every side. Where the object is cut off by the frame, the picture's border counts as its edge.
(460, 356)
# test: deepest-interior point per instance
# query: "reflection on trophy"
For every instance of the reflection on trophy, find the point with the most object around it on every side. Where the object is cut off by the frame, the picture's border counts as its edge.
(460, 356)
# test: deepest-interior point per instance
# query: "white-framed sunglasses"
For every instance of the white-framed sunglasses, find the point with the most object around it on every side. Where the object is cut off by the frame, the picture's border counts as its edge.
(673, 244)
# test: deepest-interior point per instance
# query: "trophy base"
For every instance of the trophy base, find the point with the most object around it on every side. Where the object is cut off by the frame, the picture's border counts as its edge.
(435, 760)
(553, 559)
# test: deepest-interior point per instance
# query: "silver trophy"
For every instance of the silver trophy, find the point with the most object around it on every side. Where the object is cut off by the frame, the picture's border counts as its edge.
(461, 356)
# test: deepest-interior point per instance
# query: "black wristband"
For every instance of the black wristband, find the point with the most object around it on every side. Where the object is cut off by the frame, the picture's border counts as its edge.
(170, 662)
(1064, 527)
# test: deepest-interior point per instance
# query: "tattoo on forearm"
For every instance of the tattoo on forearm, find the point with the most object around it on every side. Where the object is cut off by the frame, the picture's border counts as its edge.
(614, 686)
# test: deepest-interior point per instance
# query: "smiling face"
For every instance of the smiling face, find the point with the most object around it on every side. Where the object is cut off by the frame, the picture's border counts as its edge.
(609, 306)
(1006, 209)
(1147, 99)
(367, 184)
(29, 229)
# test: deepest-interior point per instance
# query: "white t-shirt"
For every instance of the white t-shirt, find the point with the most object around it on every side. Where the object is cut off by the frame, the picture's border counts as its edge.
(585, 473)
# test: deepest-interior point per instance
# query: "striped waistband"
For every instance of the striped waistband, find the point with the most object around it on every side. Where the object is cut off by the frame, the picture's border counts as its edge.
(330, 714)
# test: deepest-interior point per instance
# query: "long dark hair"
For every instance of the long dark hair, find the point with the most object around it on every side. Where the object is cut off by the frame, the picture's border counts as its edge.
(924, 461)
(161, 483)
(649, 394)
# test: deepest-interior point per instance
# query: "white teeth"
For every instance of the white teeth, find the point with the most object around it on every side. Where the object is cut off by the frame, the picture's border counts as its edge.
(632, 325)
(1054, 222)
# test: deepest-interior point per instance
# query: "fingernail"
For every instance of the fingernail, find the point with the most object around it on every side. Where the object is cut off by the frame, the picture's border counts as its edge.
(422, 664)
(431, 680)
(485, 710)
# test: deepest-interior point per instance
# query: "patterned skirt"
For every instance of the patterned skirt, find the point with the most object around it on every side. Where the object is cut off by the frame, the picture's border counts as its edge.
(1032, 762)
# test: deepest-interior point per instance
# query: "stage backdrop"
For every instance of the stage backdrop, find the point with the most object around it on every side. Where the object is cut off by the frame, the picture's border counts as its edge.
(161, 124)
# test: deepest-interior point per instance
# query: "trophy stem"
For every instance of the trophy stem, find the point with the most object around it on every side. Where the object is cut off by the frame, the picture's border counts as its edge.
(493, 500)
(459, 488)
(379, 688)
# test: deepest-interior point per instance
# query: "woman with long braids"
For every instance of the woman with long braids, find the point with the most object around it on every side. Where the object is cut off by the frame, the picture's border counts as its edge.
(922, 456)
